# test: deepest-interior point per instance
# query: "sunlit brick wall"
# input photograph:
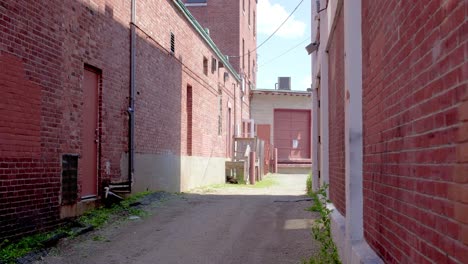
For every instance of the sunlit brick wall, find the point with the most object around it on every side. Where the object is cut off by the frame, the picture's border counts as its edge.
(414, 76)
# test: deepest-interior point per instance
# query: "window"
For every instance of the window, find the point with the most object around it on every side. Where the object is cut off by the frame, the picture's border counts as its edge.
(214, 65)
(243, 54)
(172, 43)
(248, 63)
(254, 23)
(205, 65)
(249, 12)
(253, 68)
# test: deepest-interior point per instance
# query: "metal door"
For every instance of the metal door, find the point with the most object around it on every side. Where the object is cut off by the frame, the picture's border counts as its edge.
(292, 134)
(90, 136)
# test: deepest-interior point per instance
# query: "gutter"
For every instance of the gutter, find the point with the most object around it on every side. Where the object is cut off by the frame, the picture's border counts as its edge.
(131, 108)
(201, 31)
(126, 187)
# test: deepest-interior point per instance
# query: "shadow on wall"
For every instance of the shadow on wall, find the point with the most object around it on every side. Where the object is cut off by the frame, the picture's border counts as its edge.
(78, 34)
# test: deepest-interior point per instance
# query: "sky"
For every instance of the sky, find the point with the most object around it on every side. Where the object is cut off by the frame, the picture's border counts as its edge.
(296, 63)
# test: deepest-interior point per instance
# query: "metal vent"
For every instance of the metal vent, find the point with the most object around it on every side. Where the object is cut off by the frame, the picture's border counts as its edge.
(69, 178)
(284, 83)
(172, 43)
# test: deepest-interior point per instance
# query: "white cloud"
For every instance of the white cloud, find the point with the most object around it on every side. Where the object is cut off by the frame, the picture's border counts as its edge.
(270, 16)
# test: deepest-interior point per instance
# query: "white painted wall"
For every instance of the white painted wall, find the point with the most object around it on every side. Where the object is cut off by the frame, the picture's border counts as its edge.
(263, 105)
(347, 231)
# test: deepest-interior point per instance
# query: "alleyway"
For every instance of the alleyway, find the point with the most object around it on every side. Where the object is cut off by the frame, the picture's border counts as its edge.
(212, 225)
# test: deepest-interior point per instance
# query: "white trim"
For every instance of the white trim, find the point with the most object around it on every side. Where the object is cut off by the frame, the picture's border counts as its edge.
(353, 120)
(324, 100)
(356, 249)
(315, 149)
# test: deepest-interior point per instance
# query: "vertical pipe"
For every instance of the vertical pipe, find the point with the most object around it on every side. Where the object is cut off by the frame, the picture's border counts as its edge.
(131, 108)
(276, 160)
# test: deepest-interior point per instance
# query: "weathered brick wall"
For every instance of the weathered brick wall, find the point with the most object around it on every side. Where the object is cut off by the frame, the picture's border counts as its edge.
(44, 48)
(336, 118)
(217, 16)
(414, 76)
(167, 89)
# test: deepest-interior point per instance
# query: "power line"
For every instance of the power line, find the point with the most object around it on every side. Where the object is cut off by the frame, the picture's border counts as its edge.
(272, 34)
(284, 53)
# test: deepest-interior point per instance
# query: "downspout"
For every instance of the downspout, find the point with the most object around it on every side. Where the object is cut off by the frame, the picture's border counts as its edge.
(131, 108)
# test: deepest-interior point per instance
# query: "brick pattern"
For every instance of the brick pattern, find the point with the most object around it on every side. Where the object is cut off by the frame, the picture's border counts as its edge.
(414, 76)
(336, 118)
(218, 15)
(44, 48)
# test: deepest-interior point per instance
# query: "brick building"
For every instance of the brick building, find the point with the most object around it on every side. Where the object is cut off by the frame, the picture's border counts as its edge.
(390, 109)
(69, 119)
(232, 25)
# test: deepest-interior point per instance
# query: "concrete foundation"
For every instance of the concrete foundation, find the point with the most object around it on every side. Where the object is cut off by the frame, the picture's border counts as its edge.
(77, 209)
(172, 173)
(351, 252)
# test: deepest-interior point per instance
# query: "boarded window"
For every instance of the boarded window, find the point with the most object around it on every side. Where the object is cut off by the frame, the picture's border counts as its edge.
(69, 179)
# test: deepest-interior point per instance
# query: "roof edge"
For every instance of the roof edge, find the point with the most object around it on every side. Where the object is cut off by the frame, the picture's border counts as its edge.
(181, 6)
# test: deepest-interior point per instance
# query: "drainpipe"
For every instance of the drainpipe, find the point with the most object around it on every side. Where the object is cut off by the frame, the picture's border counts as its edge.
(131, 108)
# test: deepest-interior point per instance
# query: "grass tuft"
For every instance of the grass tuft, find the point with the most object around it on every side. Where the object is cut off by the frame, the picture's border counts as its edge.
(321, 230)
(11, 251)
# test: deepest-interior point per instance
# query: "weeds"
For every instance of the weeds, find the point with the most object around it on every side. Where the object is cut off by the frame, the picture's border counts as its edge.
(100, 216)
(321, 230)
(10, 252)
(309, 185)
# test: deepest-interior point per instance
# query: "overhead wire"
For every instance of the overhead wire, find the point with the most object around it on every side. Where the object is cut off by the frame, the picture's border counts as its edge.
(272, 34)
(284, 53)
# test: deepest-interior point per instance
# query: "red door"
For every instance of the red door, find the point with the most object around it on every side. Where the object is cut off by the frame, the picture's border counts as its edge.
(89, 131)
(292, 134)
(263, 132)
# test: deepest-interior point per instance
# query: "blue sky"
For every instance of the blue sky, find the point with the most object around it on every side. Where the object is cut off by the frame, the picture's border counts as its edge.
(296, 63)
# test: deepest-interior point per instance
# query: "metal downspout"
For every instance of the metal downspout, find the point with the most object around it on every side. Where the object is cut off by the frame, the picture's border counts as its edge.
(131, 108)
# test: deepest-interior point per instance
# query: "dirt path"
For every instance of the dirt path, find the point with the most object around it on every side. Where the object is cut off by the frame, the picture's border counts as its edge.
(214, 225)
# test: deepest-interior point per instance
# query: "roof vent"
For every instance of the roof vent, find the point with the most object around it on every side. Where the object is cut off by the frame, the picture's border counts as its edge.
(284, 83)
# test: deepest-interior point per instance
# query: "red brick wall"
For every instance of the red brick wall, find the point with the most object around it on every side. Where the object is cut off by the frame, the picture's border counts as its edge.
(44, 48)
(336, 118)
(414, 75)
(42, 56)
(217, 16)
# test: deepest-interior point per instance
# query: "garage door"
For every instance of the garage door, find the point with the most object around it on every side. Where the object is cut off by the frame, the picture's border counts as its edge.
(292, 134)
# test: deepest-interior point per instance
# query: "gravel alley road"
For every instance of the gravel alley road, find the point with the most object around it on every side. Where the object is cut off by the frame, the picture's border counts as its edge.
(212, 225)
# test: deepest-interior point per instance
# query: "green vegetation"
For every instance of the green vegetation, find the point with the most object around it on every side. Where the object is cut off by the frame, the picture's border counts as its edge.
(9, 251)
(309, 185)
(100, 216)
(321, 230)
